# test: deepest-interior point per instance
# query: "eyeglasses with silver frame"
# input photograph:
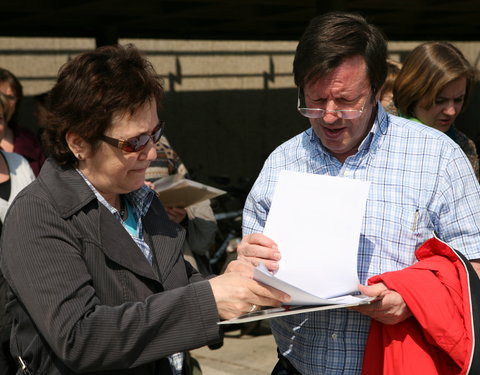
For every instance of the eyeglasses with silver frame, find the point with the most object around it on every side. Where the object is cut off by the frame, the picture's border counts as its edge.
(346, 114)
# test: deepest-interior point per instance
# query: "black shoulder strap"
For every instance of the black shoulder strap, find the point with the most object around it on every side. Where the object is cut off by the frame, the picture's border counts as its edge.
(474, 282)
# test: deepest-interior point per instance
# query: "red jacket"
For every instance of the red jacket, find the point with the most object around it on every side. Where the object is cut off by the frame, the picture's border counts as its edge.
(442, 290)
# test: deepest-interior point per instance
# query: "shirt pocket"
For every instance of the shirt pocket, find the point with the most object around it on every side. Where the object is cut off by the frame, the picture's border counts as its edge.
(392, 237)
(416, 225)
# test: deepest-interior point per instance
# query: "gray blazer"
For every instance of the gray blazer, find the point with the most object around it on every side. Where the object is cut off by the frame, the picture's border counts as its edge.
(83, 296)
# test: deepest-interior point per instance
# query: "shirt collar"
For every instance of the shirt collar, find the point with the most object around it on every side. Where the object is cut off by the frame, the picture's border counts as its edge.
(380, 125)
(140, 199)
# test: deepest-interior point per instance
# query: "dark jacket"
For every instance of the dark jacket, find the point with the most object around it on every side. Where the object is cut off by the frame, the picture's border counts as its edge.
(28, 145)
(85, 299)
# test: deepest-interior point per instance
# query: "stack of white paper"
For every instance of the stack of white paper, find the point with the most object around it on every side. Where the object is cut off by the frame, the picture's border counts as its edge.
(316, 222)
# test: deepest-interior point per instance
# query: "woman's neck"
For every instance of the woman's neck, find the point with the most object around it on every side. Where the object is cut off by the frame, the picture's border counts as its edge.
(7, 141)
(4, 172)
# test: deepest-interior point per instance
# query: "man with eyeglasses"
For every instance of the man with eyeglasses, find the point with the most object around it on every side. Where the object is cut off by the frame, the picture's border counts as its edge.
(421, 183)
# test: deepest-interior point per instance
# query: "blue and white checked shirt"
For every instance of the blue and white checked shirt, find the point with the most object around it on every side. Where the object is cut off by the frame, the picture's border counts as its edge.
(140, 200)
(421, 182)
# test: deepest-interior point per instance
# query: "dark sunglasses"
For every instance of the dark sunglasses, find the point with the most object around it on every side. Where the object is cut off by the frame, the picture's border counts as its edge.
(137, 143)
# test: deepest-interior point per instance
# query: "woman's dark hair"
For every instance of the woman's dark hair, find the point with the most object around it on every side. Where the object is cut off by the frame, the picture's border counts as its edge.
(91, 89)
(332, 37)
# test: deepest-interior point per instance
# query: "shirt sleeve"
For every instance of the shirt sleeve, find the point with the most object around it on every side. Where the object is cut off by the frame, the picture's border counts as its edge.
(259, 200)
(457, 209)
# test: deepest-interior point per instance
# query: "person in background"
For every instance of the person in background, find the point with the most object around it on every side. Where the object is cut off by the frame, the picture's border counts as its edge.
(198, 219)
(386, 93)
(97, 280)
(15, 174)
(18, 139)
(433, 87)
(40, 111)
(421, 183)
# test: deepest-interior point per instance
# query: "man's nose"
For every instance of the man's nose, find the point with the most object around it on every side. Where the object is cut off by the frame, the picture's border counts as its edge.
(330, 115)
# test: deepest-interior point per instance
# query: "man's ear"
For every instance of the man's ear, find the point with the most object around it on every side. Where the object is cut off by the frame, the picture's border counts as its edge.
(77, 145)
(378, 93)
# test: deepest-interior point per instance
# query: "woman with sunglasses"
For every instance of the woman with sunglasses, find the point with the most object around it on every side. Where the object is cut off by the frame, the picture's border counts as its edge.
(94, 265)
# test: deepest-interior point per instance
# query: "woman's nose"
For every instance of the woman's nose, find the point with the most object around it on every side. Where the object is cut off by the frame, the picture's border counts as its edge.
(152, 151)
(450, 109)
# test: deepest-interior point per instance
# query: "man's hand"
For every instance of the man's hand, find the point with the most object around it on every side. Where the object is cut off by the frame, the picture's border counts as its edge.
(388, 307)
(256, 248)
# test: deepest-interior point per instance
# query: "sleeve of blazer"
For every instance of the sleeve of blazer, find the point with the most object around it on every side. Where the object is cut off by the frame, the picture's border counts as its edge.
(41, 259)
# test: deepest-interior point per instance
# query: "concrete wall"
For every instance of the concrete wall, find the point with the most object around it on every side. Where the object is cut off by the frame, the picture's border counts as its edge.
(228, 104)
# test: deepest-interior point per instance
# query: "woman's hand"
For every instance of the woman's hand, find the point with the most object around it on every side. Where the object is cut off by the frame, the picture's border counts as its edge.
(176, 214)
(256, 248)
(389, 306)
(236, 293)
(150, 184)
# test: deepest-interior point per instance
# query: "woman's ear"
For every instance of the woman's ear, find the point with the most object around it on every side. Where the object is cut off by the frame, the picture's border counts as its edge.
(77, 145)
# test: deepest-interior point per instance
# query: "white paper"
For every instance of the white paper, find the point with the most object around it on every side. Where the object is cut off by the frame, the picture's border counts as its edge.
(316, 222)
(299, 296)
(276, 312)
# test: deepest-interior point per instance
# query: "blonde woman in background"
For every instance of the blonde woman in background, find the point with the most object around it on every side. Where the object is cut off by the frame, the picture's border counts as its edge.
(433, 88)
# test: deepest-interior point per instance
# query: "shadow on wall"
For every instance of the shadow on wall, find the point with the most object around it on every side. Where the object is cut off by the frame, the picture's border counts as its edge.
(229, 134)
(226, 134)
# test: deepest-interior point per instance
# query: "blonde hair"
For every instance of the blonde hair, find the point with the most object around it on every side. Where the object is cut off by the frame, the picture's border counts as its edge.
(426, 71)
(393, 69)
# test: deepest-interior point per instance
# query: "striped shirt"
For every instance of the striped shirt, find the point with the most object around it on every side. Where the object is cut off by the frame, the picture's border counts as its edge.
(421, 182)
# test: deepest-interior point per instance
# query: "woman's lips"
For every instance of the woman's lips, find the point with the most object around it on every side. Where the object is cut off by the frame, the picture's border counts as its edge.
(446, 121)
(139, 170)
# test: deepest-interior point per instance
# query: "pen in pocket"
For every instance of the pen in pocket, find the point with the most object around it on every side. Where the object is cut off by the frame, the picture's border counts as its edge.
(415, 219)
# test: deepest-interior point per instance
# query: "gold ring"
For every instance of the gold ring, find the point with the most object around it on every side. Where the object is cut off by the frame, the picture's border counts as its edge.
(254, 307)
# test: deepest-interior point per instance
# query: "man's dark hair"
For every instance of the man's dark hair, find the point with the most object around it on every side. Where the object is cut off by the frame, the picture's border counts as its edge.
(332, 37)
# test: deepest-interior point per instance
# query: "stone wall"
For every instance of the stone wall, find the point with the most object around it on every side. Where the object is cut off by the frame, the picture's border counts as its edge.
(228, 103)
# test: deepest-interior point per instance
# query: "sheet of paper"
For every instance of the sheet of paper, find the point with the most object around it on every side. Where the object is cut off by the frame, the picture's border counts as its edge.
(299, 296)
(276, 312)
(182, 192)
(316, 222)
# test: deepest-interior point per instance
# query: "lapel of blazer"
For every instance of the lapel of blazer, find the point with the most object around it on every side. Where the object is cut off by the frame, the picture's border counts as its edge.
(70, 194)
(165, 238)
(120, 247)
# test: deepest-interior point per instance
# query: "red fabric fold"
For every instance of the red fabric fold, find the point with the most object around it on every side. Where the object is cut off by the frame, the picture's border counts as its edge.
(438, 338)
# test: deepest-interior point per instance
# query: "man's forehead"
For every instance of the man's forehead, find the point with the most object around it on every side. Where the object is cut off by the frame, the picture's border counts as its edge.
(350, 74)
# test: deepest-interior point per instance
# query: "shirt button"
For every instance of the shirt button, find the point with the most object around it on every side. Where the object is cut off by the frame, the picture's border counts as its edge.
(334, 336)
(346, 173)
